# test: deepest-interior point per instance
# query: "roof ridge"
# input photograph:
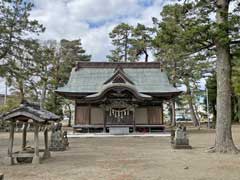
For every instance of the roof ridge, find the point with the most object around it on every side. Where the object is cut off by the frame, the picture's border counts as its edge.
(84, 64)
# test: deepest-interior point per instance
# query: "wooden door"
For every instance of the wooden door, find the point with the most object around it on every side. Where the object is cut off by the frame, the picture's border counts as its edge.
(155, 115)
(82, 115)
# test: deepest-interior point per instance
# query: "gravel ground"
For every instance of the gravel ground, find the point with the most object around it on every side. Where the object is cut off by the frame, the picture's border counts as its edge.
(129, 158)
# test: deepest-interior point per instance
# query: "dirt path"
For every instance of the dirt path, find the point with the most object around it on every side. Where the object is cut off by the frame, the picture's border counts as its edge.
(130, 158)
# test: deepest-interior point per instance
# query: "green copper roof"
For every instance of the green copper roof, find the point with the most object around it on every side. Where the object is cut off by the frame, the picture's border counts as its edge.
(91, 80)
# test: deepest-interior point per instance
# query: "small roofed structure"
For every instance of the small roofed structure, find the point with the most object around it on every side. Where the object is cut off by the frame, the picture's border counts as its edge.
(26, 113)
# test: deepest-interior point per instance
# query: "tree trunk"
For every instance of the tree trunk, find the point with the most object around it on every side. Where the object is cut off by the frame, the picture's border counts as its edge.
(70, 116)
(57, 81)
(197, 115)
(173, 113)
(173, 102)
(21, 90)
(196, 112)
(191, 106)
(146, 55)
(43, 95)
(192, 112)
(224, 141)
(126, 48)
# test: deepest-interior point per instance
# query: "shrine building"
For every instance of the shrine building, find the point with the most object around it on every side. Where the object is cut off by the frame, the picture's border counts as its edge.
(118, 96)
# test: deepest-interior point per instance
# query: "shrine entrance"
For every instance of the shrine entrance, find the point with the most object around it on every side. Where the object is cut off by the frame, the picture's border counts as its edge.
(119, 107)
(119, 118)
(119, 113)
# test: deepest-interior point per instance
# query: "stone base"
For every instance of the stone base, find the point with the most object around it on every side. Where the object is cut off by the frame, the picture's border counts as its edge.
(9, 161)
(23, 160)
(118, 130)
(36, 160)
(183, 141)
(57, 148)
(177, 146)
(46, 154)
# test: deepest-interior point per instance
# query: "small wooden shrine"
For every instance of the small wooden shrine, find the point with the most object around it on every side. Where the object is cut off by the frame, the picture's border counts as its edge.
(112, 96)
(29, 113)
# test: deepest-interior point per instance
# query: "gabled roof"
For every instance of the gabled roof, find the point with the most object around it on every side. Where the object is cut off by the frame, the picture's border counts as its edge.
(28, 111)
(89, 77)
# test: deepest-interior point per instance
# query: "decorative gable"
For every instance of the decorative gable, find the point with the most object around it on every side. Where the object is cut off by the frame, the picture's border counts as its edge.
(119, 79)
(119, 76)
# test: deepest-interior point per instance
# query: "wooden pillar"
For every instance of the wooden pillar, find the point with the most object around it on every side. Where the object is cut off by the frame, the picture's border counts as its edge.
(89, 114)
(89, 117)
(161, 113)
(46, 151)
(104, 121)
(75, 116)
(134, 121)
(173, 113)
(10, 145)
(36, 159)
(24, 135)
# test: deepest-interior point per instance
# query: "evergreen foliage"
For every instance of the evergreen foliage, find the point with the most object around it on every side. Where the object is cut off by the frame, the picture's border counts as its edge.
(120, 36)
(15, 27)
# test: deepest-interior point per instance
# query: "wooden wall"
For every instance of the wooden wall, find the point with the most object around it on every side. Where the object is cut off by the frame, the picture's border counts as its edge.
(155, 115)
(141, 116)
(82, 115)
(95, 116)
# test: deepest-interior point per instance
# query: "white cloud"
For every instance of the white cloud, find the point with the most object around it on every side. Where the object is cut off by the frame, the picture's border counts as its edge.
(97, 43)
(102, 10)
(91, 20)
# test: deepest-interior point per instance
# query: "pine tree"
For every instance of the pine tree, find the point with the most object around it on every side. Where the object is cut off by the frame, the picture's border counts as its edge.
(141, 41)
(20, 69)
(16, 50)
(216, 39)
(121, 38)
(177, 55)
(65, 58)
(15, 26)
(224, 141)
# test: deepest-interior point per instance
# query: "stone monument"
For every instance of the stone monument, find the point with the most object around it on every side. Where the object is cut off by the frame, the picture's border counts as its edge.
(65, 139)
(180, 139)
(57, 142)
